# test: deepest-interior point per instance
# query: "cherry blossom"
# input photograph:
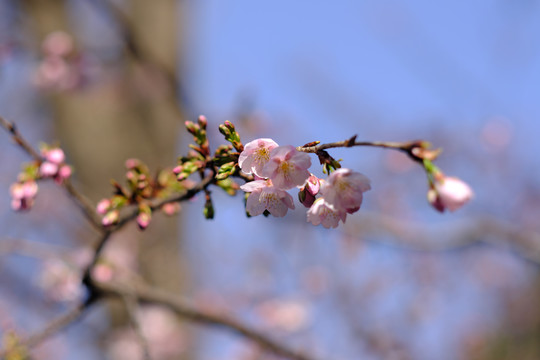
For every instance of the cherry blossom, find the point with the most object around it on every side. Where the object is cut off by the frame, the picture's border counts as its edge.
(255, 155)
(23, 194)
(265, 196)
(287, 167)
(344, 189)
(323, 213)
(449, 193)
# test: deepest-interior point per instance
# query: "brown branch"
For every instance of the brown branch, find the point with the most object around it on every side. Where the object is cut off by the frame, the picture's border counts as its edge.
(185, 309)
(19, 140)
(402, 146)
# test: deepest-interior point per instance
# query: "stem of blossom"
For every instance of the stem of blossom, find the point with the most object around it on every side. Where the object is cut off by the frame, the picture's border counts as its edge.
(410, 147)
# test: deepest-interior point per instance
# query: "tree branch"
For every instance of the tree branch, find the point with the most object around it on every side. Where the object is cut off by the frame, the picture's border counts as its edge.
(183, 308)
(80, 200)
(50, 329)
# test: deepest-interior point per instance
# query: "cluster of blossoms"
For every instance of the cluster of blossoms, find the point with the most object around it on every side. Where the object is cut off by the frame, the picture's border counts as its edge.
(24, 191)
(280, 168)
(62, 68)
(141, 188)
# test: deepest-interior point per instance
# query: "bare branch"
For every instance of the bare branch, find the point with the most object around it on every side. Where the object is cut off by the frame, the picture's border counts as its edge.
(131, 307)
(185, 309)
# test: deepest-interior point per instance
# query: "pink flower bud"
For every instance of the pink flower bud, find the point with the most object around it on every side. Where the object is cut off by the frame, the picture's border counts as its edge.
(178, 169)
(312, 185)
(132, 163)
(143, 220)
(64, 172)
(16, 191)
(103, 206)
(452, 193)
(110, 218)
(55, 156)
(48, 169)
(30, 189)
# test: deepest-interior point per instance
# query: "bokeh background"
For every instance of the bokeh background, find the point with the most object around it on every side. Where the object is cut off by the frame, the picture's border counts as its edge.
(398, 281)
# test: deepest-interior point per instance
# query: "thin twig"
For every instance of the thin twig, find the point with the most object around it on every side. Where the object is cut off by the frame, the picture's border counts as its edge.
(188, 311)
(17, 137)
(402, 146)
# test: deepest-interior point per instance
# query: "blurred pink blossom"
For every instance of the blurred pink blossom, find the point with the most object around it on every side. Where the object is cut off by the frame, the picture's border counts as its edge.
(323, 213)
(103, 206)
(61, 281)
(284, 314)
(171, 208)
(265, 196)
(344, 190)
(287, 167)
(255, 155)
(23, 194)
(110, 218)
(57, 43)
(55, 155)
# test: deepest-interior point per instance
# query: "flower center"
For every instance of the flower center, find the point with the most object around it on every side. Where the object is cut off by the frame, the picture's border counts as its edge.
(262, 155)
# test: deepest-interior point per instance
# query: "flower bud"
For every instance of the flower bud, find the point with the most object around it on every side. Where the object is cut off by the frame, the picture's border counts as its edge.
(56, 156)
(110, 218)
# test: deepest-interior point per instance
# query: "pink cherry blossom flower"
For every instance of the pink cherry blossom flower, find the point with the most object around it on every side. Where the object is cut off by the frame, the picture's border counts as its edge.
(265, 196)
(449, 193)
(255, 155)
(344, 189)
(287, 167)
(48, 169)
(323, 213)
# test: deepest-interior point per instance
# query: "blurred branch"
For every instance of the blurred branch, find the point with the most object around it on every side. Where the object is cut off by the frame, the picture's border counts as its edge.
(131, 307)
(183, 308)
(50, 329)
(30, 248)
(148, 294)
(449, 236)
